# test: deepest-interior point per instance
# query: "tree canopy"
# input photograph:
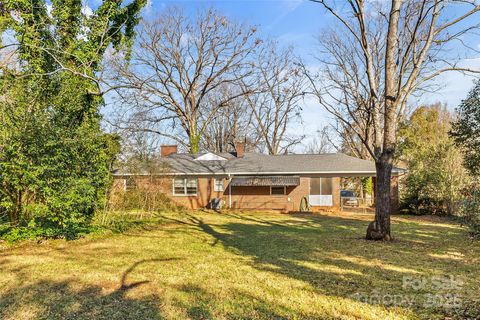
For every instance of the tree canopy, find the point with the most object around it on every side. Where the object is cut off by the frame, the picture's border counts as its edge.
(54, 157)
(435, 179)
(466, 129)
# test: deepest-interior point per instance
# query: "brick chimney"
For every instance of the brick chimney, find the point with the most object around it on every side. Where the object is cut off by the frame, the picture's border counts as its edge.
(167, 150)
(240, 149)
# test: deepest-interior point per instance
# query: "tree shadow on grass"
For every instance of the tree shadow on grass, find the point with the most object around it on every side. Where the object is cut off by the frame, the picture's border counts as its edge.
(202, 304)
(330, 254)
(57, 300)
(47, 299)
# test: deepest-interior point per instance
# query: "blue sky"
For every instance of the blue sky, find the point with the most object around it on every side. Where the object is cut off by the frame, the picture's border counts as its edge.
(290, 22)
(298, 23)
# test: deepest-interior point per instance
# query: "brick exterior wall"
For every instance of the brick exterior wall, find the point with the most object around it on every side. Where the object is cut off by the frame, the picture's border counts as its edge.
(260, 197)
(241, 197)
(205, 190)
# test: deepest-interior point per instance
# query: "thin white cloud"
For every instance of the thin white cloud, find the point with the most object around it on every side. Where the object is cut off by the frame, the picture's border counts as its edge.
(291, 5)
(288, 7)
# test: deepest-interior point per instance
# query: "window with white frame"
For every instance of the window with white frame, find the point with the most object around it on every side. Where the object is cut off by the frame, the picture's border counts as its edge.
(185, 186)
(218, 184)
(129, 183)
(277, 191)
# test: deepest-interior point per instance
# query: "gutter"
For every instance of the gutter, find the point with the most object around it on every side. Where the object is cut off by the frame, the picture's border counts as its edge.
(398, 171)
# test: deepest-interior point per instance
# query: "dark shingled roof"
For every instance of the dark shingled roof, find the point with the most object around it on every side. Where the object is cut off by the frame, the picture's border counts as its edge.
(300, 163)
(262, 164)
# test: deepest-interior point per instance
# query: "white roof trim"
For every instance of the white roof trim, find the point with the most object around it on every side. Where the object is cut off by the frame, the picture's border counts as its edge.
(396, 171)
(210, 157)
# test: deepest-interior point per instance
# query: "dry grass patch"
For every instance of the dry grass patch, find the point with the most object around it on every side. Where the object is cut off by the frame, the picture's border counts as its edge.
(255, 265)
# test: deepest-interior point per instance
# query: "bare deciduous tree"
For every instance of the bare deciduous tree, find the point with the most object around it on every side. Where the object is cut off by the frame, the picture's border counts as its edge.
(275, 101)
(322, 141)
(178, 64)
(232, 124)
(383, 53)
(349, 141)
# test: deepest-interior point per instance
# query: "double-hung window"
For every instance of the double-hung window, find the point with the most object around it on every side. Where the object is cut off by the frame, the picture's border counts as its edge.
(217, 184)
(185, 187)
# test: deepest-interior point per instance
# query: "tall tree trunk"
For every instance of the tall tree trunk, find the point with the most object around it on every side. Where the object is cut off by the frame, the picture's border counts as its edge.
(380, 228)
(193, 136)
(194, 143)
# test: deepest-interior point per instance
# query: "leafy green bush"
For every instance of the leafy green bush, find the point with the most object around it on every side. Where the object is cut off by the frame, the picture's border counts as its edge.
(54, 176)
(435, 179)
(19, 233)
(470, 210)
(54, 157)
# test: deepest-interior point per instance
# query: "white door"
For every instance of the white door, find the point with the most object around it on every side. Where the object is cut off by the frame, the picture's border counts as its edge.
(321, 192)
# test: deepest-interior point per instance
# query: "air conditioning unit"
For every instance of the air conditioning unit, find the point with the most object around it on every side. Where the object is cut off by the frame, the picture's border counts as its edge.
(216, 204)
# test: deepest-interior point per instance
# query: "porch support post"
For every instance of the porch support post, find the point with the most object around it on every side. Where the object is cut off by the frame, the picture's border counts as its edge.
(229, 192)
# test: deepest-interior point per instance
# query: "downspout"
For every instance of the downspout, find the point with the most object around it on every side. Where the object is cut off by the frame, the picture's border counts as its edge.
(229, 191)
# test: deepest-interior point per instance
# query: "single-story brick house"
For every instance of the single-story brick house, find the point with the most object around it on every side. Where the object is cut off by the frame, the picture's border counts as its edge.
(251, 180)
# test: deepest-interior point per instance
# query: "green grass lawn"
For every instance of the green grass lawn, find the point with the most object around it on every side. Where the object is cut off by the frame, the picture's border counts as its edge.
(203, 265)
